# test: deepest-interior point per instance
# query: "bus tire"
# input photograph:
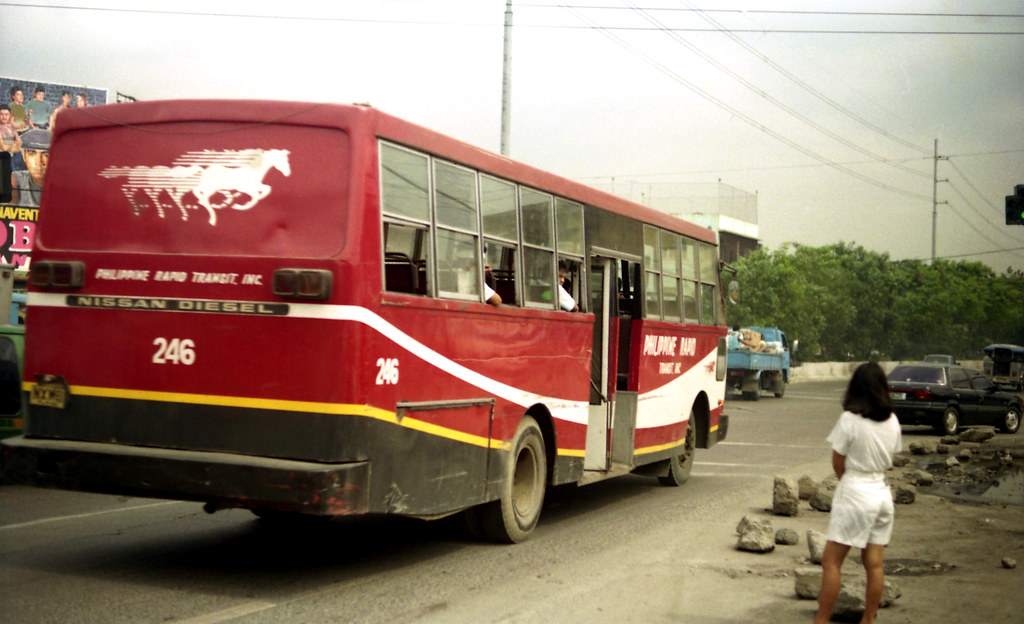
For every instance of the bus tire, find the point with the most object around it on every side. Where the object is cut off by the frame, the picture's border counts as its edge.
(680, 466)
(512, 517)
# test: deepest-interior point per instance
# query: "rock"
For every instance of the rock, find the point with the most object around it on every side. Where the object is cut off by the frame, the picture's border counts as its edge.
(822, 497)
(850, 603)
(964, 455)
(904, 494)
(744, 523)
(787, 537)
(758, 535)
(950, 439)
(1009, 563)
(978, 434)
(942, 449)
(899, 461)
(785, 497)
(951, 462)
(921, 477)
(807, 583)
(822, 500)
(1006, 459)
(806, 486)
(815, 545)
(922, 448)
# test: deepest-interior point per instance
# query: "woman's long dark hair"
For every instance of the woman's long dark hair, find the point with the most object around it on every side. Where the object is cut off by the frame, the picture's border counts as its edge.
(868, 393)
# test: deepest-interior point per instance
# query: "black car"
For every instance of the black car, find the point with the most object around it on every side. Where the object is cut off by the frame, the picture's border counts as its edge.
(946, 397)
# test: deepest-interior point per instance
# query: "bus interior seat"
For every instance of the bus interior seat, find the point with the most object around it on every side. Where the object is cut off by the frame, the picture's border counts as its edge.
(400, 274)
(505, 285)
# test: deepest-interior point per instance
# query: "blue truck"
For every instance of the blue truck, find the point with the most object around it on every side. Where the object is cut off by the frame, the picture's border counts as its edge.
(758, 359)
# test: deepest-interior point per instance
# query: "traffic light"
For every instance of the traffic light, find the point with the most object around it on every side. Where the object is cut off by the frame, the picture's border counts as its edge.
(1015, 206)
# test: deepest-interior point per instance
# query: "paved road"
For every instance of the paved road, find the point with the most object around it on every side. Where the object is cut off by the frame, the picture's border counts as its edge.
(624, 550)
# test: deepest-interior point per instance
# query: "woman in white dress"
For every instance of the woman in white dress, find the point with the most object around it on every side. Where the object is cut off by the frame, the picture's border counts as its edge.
(863, 444)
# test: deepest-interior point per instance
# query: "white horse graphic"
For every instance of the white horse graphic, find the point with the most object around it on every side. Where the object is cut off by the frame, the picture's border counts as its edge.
(217, 180)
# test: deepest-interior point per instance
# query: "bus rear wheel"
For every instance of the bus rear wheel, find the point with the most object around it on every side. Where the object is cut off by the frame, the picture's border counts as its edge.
(680, 466)
(512, 517)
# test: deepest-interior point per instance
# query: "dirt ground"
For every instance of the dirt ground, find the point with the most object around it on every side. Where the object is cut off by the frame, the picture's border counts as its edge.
(946, 555)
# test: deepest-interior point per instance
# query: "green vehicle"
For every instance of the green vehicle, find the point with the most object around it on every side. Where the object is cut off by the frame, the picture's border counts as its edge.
(12, 348)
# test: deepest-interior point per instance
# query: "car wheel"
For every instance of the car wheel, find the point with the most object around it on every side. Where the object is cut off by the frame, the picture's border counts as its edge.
(950, 421)
(1011, 420)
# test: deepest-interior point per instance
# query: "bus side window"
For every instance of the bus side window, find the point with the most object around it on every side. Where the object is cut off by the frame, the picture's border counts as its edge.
(502, 274)
(501, 236)
(405, 202)
(405, 262)
(629, 288)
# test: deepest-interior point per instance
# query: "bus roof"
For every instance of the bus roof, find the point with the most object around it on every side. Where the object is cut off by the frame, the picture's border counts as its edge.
(380, 124)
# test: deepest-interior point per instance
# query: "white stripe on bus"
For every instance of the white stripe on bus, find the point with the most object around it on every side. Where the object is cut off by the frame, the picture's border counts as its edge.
(661, 404)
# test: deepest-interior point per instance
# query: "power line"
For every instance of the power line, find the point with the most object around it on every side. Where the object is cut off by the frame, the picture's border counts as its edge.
(778, 103)
(784, 12)
(802, 84)
(802, 166)
(971, 185)
(742, 116)
(303, 18)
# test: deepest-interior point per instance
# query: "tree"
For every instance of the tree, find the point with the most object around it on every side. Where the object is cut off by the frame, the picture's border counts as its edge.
(844, 302)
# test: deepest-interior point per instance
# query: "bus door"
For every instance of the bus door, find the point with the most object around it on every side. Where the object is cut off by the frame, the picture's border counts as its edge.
(612, 417)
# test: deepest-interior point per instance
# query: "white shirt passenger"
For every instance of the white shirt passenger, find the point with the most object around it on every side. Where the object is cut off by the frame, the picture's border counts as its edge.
(565, 300)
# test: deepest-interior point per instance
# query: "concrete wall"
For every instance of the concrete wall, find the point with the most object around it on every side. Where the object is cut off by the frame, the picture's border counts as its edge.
(818, 371)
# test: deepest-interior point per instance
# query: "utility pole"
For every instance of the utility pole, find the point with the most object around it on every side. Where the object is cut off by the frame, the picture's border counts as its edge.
(935, 196)
(506, 81)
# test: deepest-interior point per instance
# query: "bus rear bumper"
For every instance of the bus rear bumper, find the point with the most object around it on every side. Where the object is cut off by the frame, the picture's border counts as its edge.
(222, 480)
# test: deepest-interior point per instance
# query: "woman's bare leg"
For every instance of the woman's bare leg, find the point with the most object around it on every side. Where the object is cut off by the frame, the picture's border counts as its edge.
(871, 557)
(831, 577)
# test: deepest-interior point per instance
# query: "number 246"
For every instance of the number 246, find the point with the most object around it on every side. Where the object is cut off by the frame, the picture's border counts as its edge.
(174, 351)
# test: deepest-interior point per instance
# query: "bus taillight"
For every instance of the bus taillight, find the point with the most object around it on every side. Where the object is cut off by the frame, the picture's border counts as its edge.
(53, 274)
(302, 283)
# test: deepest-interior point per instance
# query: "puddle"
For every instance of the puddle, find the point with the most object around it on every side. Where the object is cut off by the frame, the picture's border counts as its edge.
(1004, 487)
(915, 567)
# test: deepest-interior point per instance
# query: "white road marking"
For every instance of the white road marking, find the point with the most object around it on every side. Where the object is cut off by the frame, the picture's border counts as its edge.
(772, 445)
(42, 521)
(223, 615)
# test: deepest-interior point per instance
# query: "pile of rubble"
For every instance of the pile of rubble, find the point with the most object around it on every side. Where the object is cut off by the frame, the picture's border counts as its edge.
(967, 458)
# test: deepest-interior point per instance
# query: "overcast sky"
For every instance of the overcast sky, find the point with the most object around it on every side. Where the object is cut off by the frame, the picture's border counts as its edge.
(829, 111)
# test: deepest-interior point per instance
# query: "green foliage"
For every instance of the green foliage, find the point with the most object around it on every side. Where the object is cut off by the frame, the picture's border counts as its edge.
(843, 302)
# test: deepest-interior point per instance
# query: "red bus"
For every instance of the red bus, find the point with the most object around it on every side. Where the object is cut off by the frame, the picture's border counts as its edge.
(282, 306)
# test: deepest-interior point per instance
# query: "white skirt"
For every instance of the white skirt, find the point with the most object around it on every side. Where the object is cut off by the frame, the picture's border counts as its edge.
(862, 510)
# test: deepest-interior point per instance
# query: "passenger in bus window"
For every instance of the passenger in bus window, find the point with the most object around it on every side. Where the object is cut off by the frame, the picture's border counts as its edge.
(565, 300)
(490, 296)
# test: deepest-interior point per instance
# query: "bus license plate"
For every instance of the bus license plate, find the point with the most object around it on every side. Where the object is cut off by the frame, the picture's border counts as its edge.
(50, 391)
(898, 396)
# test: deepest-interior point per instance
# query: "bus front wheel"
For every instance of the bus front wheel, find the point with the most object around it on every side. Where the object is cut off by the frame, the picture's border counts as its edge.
(513, 517)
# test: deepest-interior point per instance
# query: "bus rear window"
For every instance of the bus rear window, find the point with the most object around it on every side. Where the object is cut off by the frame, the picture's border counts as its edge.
(194, 188)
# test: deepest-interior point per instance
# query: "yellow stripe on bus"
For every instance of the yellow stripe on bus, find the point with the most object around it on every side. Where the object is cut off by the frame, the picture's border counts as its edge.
(322, 408)
(662, 447)
(285, 406)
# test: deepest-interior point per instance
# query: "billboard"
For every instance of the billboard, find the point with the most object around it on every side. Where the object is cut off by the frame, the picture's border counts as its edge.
(29, 110)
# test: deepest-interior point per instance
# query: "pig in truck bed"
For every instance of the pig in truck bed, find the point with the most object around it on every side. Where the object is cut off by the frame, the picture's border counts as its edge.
(758, 360)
